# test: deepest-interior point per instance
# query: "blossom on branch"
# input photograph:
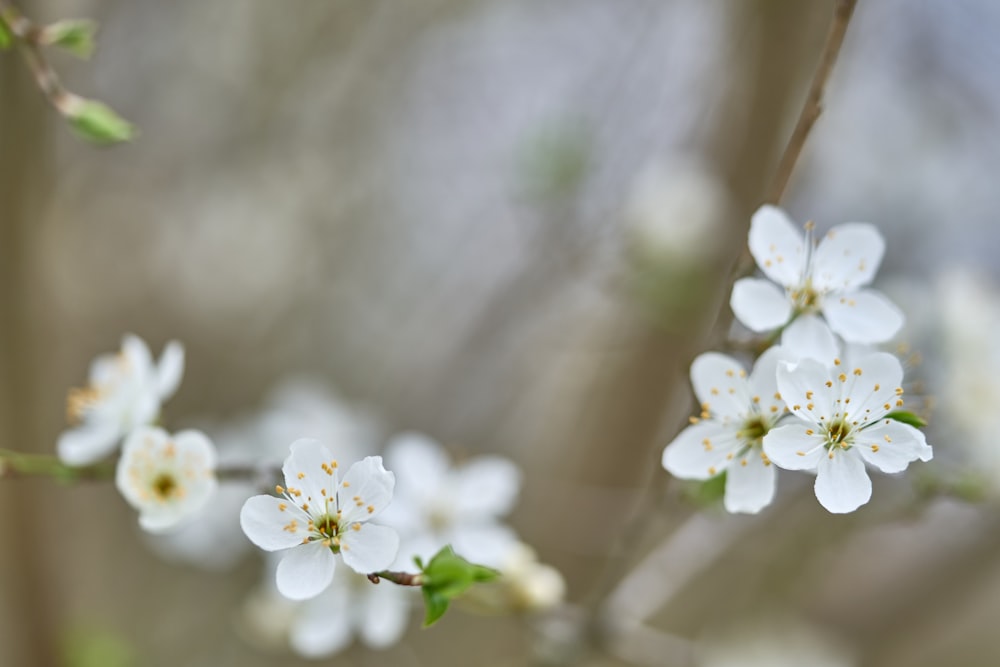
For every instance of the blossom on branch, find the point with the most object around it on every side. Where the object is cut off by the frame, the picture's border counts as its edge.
(168, 478)
(124, 391)
(839, 424)
(737, 411)
(319, 516)
(828, 279)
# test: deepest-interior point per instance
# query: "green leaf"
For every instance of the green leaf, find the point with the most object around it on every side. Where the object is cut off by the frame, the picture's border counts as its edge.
(706, 493)
(436, 605)
(99, 123)
(73, 35)
(5, 38)
(907, 418)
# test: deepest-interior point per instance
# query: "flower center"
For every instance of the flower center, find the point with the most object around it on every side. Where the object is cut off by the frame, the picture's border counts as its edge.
(838, 435)
(753, 431)
(326, 526)
(806, 299)
(165, 486)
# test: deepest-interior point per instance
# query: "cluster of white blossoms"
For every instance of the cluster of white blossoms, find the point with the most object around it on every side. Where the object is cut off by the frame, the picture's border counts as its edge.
(809, 403)
(167, 478)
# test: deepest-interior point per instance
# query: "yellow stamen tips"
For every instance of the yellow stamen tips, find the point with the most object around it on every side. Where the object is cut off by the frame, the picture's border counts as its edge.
(705, 414)
(800, 453)
(730, 373)
(358, 503)
(282, 507)
(706, 406)
(732, 390)
(780, 259)
(887, 438)
(887, 406)
(334, 464)
(742, 373)
(810, 406)
(830, 456)
(371, 509)
(328, 468)
(847, 400)
(756, 399)
(874, 448)
(355, 526)
(899, 403)
(693, 420)
(301, 475)
(346, 484)
(774, 408)
(323, 492)
(810, 225)
(767, 263)
(809, 431)
(829, 383)
(707, 444)
(295, 492)
(292, 526)
(711, 470)
(809, 395)
(836, 362)
(305, 506)
(899, 391)
(796, 407)
(857, 371)
(305, 540)
(729, 456)
(170, 451)
(777, 396)
(279, 489)
(842, 377)
(743, 463)
(714, 391)
(327, 543)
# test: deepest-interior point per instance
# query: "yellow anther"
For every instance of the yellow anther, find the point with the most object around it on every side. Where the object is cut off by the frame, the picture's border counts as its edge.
(729, 373)
(756, 399)
(301, 475)
(887, 438)
(857, 371)
(809, 395)
(829, 383)
(777, 396)
(774, 408)
(714, 391)
(355, 526)
(282, 507)
(800, 453)
(887, 406)
(842, 377)
(346, 484)
(809, 431)
(371, 509)
(809, 406)
(874, 448)
(899, 403)
(279, 489)
(836, 362)
(693, 420)
(877, 386)
(899, 391)
(796, 407)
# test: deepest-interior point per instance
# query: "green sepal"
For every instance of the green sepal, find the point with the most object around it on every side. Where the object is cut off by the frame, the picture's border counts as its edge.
(446, 576)
(5, 38)
(97, 122)
(73, 35)
(435, 605)
(906, 417)
(708, 492)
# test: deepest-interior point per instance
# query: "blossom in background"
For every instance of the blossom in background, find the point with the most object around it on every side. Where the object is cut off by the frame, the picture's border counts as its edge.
(168, 478)
(839, 423)
(124, 391)
(325, 625)
(737, 411)
(827, 279)
(319, 516)
(438, 504)
(525, 585)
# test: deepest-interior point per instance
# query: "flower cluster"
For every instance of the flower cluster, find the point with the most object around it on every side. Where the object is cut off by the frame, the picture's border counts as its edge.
(813, 403)
(167, 478)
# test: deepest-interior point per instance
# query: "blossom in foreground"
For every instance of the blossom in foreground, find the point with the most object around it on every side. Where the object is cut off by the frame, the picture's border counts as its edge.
(438, 504)
(168, 478)
(736, 412)
(325, 625)
(827, 279)
(839, 424)
(319, 516)
(124, 391)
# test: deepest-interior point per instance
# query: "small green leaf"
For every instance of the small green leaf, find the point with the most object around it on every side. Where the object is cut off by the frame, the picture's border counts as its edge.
(5, 38)
(706, 493)
(74, 35)
(436, 605)
(99, 123)
(907, 418)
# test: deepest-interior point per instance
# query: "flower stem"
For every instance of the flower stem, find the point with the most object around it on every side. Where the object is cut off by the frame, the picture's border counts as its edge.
(26, 33)
(399, 578)
(813, 106)
(18, 465)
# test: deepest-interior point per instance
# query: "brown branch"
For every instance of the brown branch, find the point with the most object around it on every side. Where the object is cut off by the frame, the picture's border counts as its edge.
(399, 578)
(813, 106)
(27, 35)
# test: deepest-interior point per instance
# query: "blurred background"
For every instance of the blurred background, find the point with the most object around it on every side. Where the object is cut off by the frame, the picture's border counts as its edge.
(510, 225)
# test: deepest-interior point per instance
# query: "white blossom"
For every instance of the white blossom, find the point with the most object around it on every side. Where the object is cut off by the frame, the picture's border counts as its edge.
(736, 412)
(827, 279)
(319, 516)
(525, 585)
(839, 424)
(438, 504)
(124, 391)
(168, 478)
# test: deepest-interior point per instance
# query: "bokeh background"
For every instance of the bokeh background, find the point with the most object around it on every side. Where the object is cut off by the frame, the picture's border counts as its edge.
(508, 224)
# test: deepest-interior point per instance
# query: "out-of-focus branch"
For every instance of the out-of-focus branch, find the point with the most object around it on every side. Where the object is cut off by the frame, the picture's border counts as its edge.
(813, 106)
(28, 38)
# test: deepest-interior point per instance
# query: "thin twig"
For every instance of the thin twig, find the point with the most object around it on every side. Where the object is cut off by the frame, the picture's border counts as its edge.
(813, 106)
(27, 35)
(398, 578)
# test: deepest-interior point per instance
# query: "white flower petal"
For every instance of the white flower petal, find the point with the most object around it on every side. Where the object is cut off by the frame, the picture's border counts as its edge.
(484, 543)
(872, 384)
(383, 615)
(792, 447)
(369, 548)
(690, 457)
(864, 316)
(87, 444)
(759, 304)
(170, 370)
(305, 571)
(303, 470)
(749, 486)
(808, 390)
(264, 522)
(366, 489)
(809, 337)
(890, 445)
(486, 487)
(137, 357)
(764, 382)
(720, 384)
(777, 246)
(847, 257)
(420, 464)
(842, 483)
(324, 625)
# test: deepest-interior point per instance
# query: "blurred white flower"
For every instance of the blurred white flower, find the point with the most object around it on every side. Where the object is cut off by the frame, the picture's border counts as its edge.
(838, 424)
(437, 504)
(827, 279)
(525, 585)
(169, 479)
(736, 413)
(318, 517)
(124, 391)
(322, 626)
